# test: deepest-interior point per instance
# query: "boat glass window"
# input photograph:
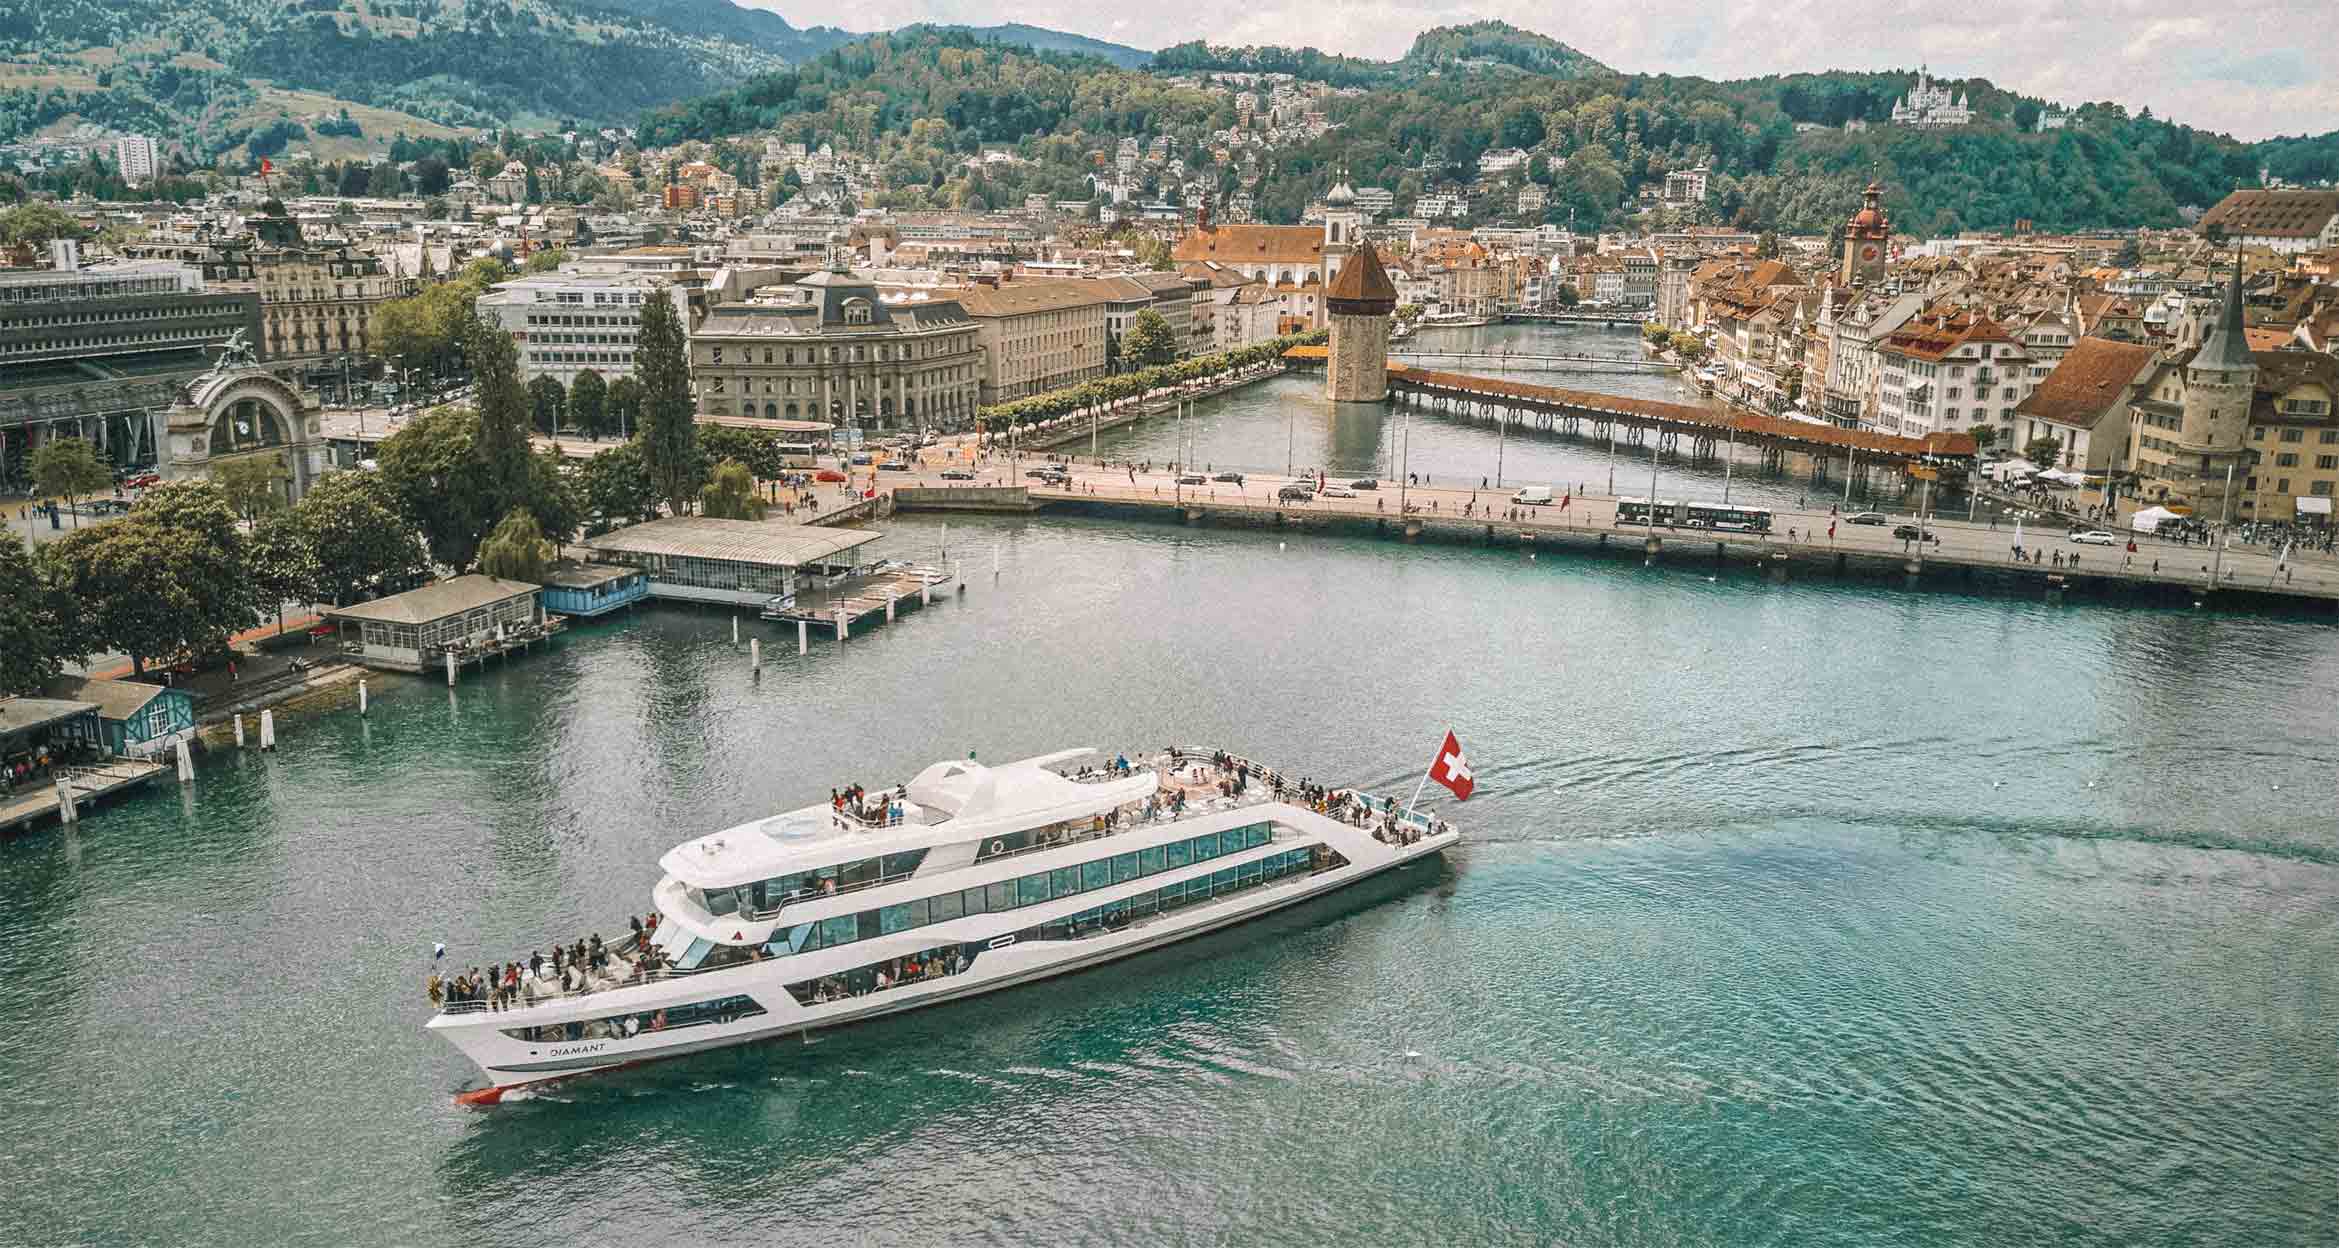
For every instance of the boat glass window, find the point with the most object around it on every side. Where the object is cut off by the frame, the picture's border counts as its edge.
(697, 953)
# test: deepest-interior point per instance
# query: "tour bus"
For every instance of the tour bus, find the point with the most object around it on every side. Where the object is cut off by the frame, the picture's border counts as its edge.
(1680, 515)
(798, 455)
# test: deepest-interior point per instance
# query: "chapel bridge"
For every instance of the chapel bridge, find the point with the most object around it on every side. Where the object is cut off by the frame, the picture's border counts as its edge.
(1633, 422)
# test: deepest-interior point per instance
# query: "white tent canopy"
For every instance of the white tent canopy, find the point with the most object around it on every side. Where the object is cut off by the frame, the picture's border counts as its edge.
(2010, 469)
(2150, 519)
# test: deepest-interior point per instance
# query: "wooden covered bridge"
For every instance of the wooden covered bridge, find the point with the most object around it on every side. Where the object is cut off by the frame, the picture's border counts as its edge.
(1635, 422)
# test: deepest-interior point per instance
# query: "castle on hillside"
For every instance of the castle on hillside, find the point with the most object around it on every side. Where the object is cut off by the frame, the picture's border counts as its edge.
(1928, 105)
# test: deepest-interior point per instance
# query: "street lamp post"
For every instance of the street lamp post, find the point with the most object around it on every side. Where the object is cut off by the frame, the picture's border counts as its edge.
(2224, 518)
(1729, 463)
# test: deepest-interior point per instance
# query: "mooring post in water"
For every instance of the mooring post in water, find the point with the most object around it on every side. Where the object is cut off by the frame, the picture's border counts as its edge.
(186, 763)
(803, 637)
(450, 669)
(925, 590)
(361, 698)
(844, 625)
(734, 630)
(267, 730)
(755, 654)
(65, 812)
(889, 597)
(239, 730)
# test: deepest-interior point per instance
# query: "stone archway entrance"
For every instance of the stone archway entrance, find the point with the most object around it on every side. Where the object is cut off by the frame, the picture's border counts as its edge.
(244, 412)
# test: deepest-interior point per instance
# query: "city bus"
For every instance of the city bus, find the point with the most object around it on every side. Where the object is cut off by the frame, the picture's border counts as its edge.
(1679, 515)
(798, 454)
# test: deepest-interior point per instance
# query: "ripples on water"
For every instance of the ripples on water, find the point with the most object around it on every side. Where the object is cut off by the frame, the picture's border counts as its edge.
(1788, 914)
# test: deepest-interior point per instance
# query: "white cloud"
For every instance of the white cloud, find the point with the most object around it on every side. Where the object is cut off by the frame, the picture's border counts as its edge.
(2136, 52)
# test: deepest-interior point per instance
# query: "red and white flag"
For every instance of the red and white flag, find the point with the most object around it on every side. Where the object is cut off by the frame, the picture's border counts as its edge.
(1452, 770)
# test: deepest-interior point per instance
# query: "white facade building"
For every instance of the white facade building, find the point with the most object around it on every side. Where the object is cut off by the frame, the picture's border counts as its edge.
(135, 157)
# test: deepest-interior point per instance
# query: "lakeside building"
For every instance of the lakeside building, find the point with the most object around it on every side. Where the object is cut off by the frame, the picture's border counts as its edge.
(135, 720)
(409, 632)
(1036, 336)
(744, 562)
(832, 347)
(567, 323)
(96, 353)
(316, 300)
(585, 590)
(2287, 222)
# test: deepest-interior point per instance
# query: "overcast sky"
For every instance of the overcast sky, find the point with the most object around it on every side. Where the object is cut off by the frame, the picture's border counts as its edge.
(2244, 67)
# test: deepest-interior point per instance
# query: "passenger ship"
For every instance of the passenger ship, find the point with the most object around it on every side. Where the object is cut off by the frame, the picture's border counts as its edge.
(965, 880)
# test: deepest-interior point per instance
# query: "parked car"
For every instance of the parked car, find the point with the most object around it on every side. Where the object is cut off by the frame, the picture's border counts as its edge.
(1046, 472)
(2095, 537)
(1867, 517)
(860, 458)
(1338, 491)
(896, 465)
(958, 474)
(1296, 494)
(1364, 483)
(828, 474)
(1193, 478)
(1911, 533)
(1232, 478)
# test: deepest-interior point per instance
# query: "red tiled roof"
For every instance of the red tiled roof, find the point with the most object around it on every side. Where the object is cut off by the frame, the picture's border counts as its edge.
(2089, 382)
(1269, 244)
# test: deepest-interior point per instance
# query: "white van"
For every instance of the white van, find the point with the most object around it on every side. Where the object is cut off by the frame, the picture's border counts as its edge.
(1532, 496)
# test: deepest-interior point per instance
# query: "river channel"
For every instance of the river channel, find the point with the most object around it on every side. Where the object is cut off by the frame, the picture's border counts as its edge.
(1786, 914)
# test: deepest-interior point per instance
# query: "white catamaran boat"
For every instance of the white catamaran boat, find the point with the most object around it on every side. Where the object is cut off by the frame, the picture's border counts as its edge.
(966, 879)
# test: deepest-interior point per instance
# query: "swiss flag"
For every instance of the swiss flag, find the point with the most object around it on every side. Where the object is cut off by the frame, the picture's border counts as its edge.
(1452, 770)
(265, 167)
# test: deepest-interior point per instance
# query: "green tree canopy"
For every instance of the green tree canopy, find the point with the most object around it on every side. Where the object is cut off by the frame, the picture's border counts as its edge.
(358, 537)
(32, 637)
(625, 407)
(252, 485)
(729, 493)
(68, 468)
(1149, 342)
(283, 564)
(170, 579)
(517, 549)
(669, 427)
(589, 404)
(617, 490)
(546, 403)
(437, 479)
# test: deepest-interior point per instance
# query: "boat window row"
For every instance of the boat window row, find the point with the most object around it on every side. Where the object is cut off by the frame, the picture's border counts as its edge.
(763, 897)
(635, 1022)
(1029, 890)
(944, 961)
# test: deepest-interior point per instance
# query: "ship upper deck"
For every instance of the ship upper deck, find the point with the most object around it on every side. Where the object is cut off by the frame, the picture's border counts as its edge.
(947, 802)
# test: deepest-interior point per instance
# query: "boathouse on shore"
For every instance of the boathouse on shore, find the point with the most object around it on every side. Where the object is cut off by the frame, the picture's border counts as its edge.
(134, 720)
(585, 590)
(745, 562)
(469, 615)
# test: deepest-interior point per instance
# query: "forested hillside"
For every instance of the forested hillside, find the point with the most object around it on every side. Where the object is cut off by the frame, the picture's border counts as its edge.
(1598, 136)
(183, 69)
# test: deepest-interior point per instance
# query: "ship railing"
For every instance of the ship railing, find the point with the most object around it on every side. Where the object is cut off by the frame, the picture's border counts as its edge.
(550, 992)
(854, 821)
(1180, 754)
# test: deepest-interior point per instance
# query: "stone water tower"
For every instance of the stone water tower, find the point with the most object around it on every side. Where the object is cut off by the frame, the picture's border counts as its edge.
(1360, 301)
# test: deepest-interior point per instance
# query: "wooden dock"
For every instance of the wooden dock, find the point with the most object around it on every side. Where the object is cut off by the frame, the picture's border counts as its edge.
(883, 595)
(91, 783)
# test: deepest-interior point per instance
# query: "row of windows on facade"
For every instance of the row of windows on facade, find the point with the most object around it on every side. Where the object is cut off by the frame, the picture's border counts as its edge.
(534, 318)
(193, 333)
(2320, 489)
(1112, 915)
(174, 312)
(1028, 890)
(907, 351)
(581, 357)
(114, 289)
(2289, 459)
(813, 385)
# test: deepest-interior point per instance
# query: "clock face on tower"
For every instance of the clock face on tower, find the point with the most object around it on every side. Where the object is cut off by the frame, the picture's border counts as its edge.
(1868, 252)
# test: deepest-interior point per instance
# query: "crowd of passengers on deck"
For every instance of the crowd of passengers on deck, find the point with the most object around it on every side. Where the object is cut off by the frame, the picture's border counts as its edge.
(884, 810)
(587, 965)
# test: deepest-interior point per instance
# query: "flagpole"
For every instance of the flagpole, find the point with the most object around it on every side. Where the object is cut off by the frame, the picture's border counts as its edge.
(1419, 787)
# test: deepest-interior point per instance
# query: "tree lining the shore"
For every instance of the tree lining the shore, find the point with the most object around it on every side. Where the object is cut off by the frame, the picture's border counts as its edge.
(1105, 391)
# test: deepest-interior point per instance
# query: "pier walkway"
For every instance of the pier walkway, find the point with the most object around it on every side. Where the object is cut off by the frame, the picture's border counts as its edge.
(89, 782)
(1800, 542)
(1578, 362)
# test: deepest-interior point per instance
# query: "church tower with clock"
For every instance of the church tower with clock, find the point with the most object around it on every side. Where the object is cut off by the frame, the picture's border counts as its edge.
(1867, 236)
